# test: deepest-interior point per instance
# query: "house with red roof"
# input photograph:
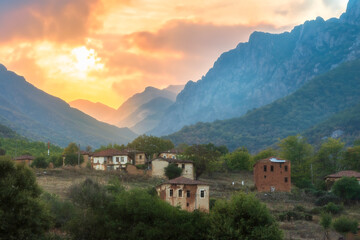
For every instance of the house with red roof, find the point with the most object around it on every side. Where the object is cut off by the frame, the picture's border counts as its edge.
(27, 159)
(110, 159)
(185, 193)
(332, 178)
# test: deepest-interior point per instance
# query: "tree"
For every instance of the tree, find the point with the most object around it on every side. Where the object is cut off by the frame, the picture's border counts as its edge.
(172, 171)
(351, 159)
(88, 149)
(347, 188)
(206, 158)
(240, 159)
(329, 157)
(269, 152)
(2, 152)
(72, 148)
(151, 145)
(22, 214)
(243, 217)
(345, 225)
(40, 162)
(299, 152)
(325, 222)
(57, 160)
(72, 159)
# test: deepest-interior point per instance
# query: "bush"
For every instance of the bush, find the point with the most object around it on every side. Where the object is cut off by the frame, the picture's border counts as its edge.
(72, 159)
(344, 225)
(141, 166)
(321, 201)
(347, 189)
(172, 171)
(40, 162)
(303, 183)
(56, 160)
(333, 208)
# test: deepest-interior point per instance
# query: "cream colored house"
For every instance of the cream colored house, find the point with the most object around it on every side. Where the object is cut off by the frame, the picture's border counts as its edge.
(110, 159)
(138, 156)
(186, 193)
(173, 154)
(158, 166)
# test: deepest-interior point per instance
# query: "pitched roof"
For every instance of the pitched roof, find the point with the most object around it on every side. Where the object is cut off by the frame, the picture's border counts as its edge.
(344, 174)
(109, 153)
(271, 159)
(174, 151)
(172, 160)
(185, 181)
(25, 157)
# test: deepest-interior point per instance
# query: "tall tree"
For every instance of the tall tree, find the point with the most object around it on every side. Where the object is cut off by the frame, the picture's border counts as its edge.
(299, 152)
(351, 158)
(72, 148)
(151, 145)
(240, 159)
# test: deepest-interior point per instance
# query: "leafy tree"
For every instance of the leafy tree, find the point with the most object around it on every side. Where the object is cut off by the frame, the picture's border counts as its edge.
(40, 162)
(57, 160)
(351, 158)
(172, 171)
(22, 214)
(299, 152)
(72, 148)
(151, 145)
(2, 152)
(243, 217)
(345, 225)
(240, 159)
(329, 157)
(206, 158)
(325, 222)
(347, 188)
(269, 152)
(88, 149)
(73, 159)
(111, 146)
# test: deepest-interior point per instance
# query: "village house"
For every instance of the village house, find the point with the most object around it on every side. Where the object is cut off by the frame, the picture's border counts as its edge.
(110, 159)
(158, 166)
(138, 156)
(186, 193)
(272, 174)
(331, 179)
(27, 159)
(173, 154)
(87, 158)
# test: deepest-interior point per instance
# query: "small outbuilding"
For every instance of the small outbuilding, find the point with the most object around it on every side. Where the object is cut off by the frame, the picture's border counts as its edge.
(186, 193)
(272, 175)
(27, 159)
(332, 178)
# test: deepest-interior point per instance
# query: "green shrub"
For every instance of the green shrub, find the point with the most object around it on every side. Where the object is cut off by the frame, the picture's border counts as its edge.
(141, 166)
(344, 225)
(323, 200)
(172, 171)
(347, 189)
(40, 162)
(212, 202)
(333, 208)
(316, 210)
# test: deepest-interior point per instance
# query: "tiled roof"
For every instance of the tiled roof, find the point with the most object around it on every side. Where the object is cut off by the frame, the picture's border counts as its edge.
(266, 160)
(25, 157)
(109, 153)
(174, 151)
(344, 174)
(171, 160)
(85, 153)
(185, 181)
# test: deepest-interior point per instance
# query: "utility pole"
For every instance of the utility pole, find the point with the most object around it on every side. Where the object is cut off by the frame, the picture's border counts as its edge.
(312, 174)
(79, 155)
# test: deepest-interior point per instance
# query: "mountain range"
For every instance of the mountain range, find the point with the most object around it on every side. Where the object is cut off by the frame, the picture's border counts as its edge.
(266, 68)
(37, 115)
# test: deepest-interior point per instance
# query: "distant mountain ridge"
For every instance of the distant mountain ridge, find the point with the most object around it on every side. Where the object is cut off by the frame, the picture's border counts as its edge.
(314, 103)
(37, 115)
(264, 69)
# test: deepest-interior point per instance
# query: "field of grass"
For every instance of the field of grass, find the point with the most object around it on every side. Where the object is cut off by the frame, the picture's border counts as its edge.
(58, 181)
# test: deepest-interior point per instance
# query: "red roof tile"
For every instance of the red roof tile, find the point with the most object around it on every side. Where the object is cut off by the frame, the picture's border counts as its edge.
(344, 174)
(25, 157)
(109, 153)
(185, 181)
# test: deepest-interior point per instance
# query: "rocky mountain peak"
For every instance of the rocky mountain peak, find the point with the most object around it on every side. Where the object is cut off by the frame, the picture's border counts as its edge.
(352, 14)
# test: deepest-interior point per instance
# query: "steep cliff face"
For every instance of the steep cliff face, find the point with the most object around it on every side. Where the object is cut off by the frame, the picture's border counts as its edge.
(268, 67)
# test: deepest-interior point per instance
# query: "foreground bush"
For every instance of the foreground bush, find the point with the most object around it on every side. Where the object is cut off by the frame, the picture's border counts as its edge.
(344, 225)
(347, 189)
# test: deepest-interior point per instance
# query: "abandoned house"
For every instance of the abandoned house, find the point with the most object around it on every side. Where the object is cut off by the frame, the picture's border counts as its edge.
(110, 159)
(186, 193)
(138, 156)
(158, 166)
(332, 178)
(173, 154)
(272, 174)
(26, 159)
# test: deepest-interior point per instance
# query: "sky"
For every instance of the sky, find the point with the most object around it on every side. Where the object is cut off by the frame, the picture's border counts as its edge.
(107, 50)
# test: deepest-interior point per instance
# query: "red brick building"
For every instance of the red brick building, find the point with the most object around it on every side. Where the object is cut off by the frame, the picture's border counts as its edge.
(272, 174)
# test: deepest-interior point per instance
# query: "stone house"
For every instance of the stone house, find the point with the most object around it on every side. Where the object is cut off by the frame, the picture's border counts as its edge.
(138, 156)
(158, 166)
(173, 154)
(186, 193)
(87, 158)
(272, 174)
(110, 159)
(26, 159)
(332, 178)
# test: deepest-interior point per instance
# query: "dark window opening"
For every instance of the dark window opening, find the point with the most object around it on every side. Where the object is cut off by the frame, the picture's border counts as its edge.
(286, 179)
(182, 166)
(280, 165)
(140, 157)
(286, 168)
(171, 192)
(264, 176)
(202, 193)
(188, 193)
(265, 168)
(187, 204)
(272, 168)
(180, 193)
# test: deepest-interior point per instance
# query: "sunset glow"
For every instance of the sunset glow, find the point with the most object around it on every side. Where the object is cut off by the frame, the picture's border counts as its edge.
(106, 51)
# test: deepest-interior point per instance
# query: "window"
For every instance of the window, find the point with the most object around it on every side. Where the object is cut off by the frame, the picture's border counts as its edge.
(180, 193)
(286, 179)
(171, 193)
(117, 159)
(187, 204)
(265, 168)
(202, 193)
(122, 159)
(272, 168)
(140, 157)
(188, 193)
(182, 166)
(286, 168)
(264, 176)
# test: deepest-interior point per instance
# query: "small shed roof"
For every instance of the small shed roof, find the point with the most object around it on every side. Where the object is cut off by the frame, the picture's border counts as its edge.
(344, 174)
(25, 157)
(109, 153)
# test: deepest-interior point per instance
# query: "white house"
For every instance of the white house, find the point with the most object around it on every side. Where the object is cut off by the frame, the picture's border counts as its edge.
(110, 159)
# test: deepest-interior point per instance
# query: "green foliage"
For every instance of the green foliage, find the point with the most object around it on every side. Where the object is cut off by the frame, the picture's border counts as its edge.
(329, 157)
(73, 159)
(333, 208)
(240, 159)
(40, 162)
(325, 220)
(351, 158)
(243, 217)
(347, 189)
(299, 152)
(151, 145)
(72, 148)
(344, 225)
(22, 213)
(172, 171)
(2, 152)
(110, 146)
(266, 153)
(323, 200)
(141, 166)
(57, 160)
